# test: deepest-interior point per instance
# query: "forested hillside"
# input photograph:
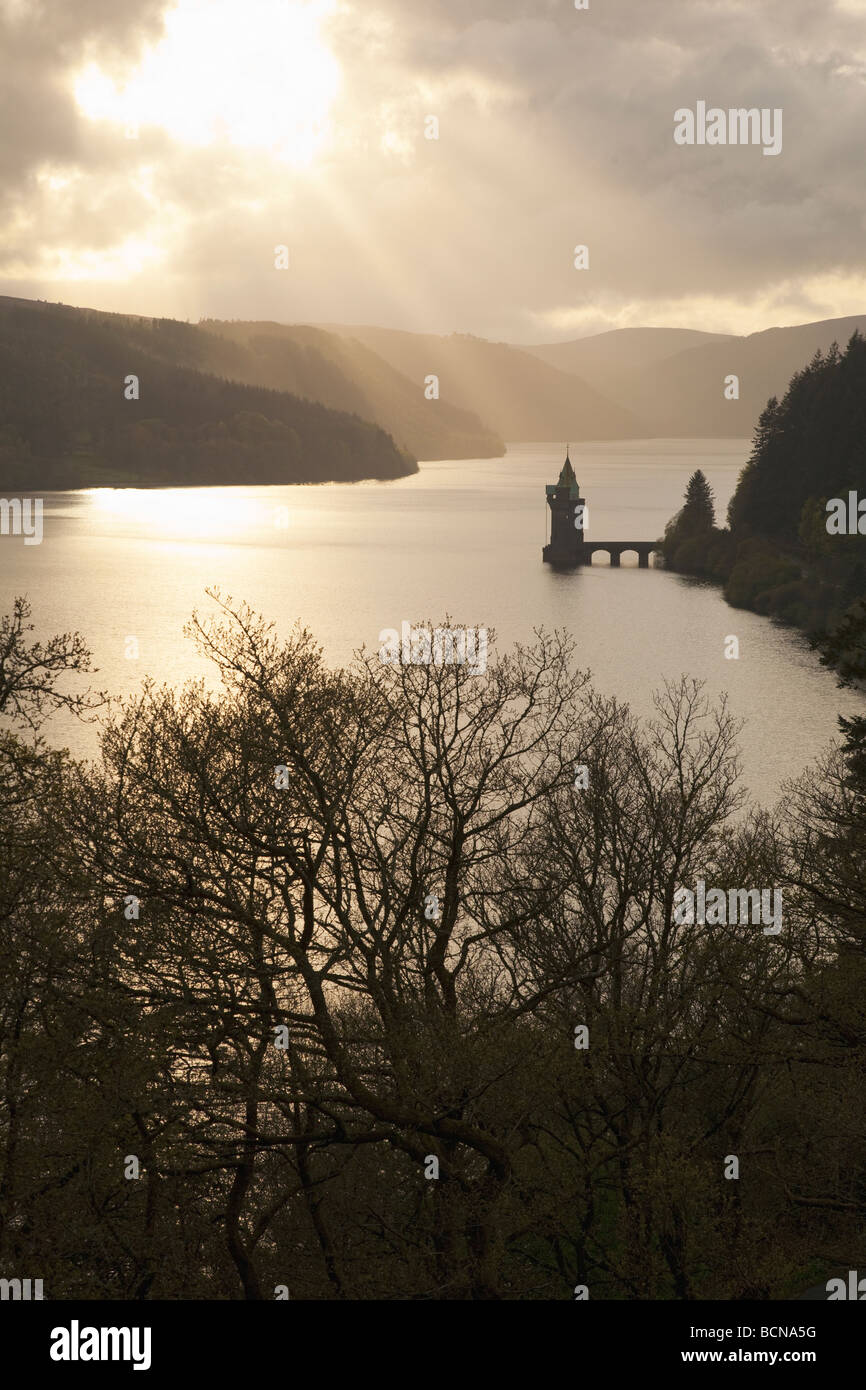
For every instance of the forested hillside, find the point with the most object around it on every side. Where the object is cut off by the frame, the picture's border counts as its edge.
(67, 419)
(783, 552)
(346, 375)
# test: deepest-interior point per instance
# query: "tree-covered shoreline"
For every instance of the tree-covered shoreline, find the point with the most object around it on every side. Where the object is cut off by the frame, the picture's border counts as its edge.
(777, 555)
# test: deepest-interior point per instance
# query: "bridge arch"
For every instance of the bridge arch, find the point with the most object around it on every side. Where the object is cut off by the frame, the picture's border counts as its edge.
(616, 549)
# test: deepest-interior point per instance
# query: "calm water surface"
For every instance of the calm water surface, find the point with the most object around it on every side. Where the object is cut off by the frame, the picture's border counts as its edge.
(459, 537)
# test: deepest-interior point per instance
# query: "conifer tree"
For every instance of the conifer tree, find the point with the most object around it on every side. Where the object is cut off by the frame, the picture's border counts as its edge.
(698, 513)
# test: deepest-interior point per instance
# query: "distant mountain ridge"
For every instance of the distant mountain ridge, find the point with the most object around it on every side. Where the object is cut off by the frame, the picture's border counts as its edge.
(681, 393)
(517, 394)
(627, 348)
(626, 383)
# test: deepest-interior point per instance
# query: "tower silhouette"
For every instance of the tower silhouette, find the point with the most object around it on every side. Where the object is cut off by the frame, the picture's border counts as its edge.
(566, 527)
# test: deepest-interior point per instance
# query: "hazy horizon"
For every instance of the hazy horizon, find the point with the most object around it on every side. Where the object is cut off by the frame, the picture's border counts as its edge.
(331, 325)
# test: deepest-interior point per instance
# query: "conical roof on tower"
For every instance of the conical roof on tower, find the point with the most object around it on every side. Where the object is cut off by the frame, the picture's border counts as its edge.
(566, 476)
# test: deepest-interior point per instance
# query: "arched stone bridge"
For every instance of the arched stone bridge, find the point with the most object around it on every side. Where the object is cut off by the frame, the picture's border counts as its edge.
(643, 550)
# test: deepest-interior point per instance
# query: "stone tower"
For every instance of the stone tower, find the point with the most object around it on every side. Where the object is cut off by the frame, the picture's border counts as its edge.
(566, 538)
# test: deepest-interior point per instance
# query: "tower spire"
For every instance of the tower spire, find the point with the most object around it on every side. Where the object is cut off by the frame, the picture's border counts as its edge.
(566, 476)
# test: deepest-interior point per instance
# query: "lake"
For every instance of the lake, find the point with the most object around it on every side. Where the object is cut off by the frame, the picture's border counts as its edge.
(460, 537)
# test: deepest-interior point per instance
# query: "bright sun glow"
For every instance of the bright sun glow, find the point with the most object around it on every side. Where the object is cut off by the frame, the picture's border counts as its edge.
(215, 514)
(129, 258)
(252, 73)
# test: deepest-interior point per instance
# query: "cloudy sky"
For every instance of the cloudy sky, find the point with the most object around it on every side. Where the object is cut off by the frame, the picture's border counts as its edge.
(154, 154)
